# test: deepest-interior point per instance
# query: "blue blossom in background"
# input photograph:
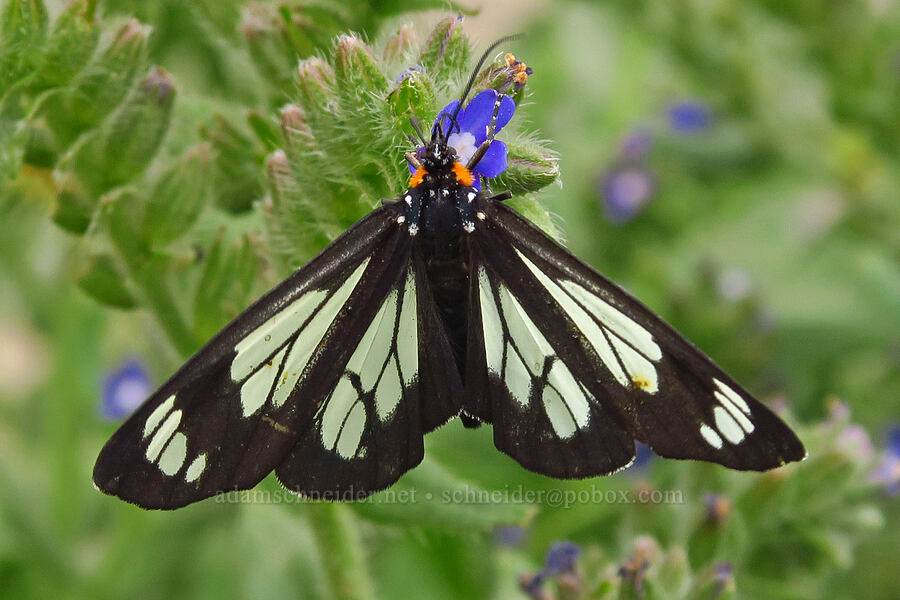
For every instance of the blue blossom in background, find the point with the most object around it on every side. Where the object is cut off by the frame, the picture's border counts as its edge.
(888, 471)
(473, 122)
(561, 558)
(626, 190)
(510, 535)
(643, 456)
(124, 390)
(724, 578)
(636, 145)
(560, 562)
(689, 116)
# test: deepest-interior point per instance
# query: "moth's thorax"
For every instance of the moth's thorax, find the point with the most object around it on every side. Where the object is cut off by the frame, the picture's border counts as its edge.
(440, 196)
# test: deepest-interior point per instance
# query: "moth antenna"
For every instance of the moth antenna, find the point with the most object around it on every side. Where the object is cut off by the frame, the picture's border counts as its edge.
(417, 127)
(477, 68)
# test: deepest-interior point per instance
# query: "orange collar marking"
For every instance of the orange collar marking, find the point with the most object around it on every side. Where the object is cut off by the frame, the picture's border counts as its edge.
(463, 175)
(417, 177)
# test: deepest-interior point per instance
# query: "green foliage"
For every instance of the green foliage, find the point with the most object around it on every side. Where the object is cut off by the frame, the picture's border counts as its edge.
(173, 160)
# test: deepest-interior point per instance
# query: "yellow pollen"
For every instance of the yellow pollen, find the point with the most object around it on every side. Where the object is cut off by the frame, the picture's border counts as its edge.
(510, 58)
(640, 382)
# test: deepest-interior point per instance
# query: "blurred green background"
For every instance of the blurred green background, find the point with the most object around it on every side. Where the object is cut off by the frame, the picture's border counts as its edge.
(733, 164)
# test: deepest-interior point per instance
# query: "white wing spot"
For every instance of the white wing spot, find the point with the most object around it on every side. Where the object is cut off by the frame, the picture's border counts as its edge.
(256, 389)
(527, 352)
(407, 334)
(172, 458)
(560, 418)
(471, 196)
(311, 336)
(712, 438)
(351, 434)
(733, 396)
(634, 346)
(727, 426)
(408, 199)
(158, 413)
(481, 215)
(260, 344)
(195, 469)
(162, 435)
(401, 219)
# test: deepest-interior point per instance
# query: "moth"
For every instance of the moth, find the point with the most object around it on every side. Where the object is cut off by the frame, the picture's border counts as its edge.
(443, 303)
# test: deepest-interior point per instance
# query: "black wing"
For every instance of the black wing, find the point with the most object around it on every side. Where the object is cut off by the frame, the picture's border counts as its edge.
(571, 369)
(271, 389)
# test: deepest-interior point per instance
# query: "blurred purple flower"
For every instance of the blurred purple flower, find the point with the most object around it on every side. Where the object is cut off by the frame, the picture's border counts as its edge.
(473, 122)
(510, 535)
(734, 284)
(888, 471)
(689, 116)
(636, 145)
(626, 191)
(561, 558)
(724, 578)
(716, 508)
(124, 390)
(643, 455)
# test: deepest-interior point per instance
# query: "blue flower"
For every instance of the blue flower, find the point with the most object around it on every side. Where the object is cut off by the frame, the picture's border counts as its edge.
(689, 116)
(643, 456)
(636, 145)
(124, 390)
(510, 535)
(626, 190)
(888, 471)
(473, 122)
(561, 558)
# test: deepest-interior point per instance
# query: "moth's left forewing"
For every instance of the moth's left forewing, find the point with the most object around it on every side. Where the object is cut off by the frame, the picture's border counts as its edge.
(666, 393)
(237, 407)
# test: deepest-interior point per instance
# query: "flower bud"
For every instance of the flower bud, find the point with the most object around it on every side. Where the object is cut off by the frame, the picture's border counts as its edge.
(446, 51)
(355, 69)
(316, 85)
(132, 134)
(70, 47)
(399, 44)
(23, 27)
(100, 86)
(413, 96)
(268, 50)
(294, 126)
(236, 180)
(529, 168)
(74, 206)
(103, 280)
(177, 197)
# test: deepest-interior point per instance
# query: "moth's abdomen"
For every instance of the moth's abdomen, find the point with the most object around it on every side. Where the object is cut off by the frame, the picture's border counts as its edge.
(447, 266)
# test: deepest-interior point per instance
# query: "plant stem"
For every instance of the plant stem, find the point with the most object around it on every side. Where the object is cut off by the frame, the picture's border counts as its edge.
(340, 547)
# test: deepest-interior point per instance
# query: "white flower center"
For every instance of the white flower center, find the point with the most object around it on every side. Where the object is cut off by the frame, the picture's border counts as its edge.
(464, 144)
